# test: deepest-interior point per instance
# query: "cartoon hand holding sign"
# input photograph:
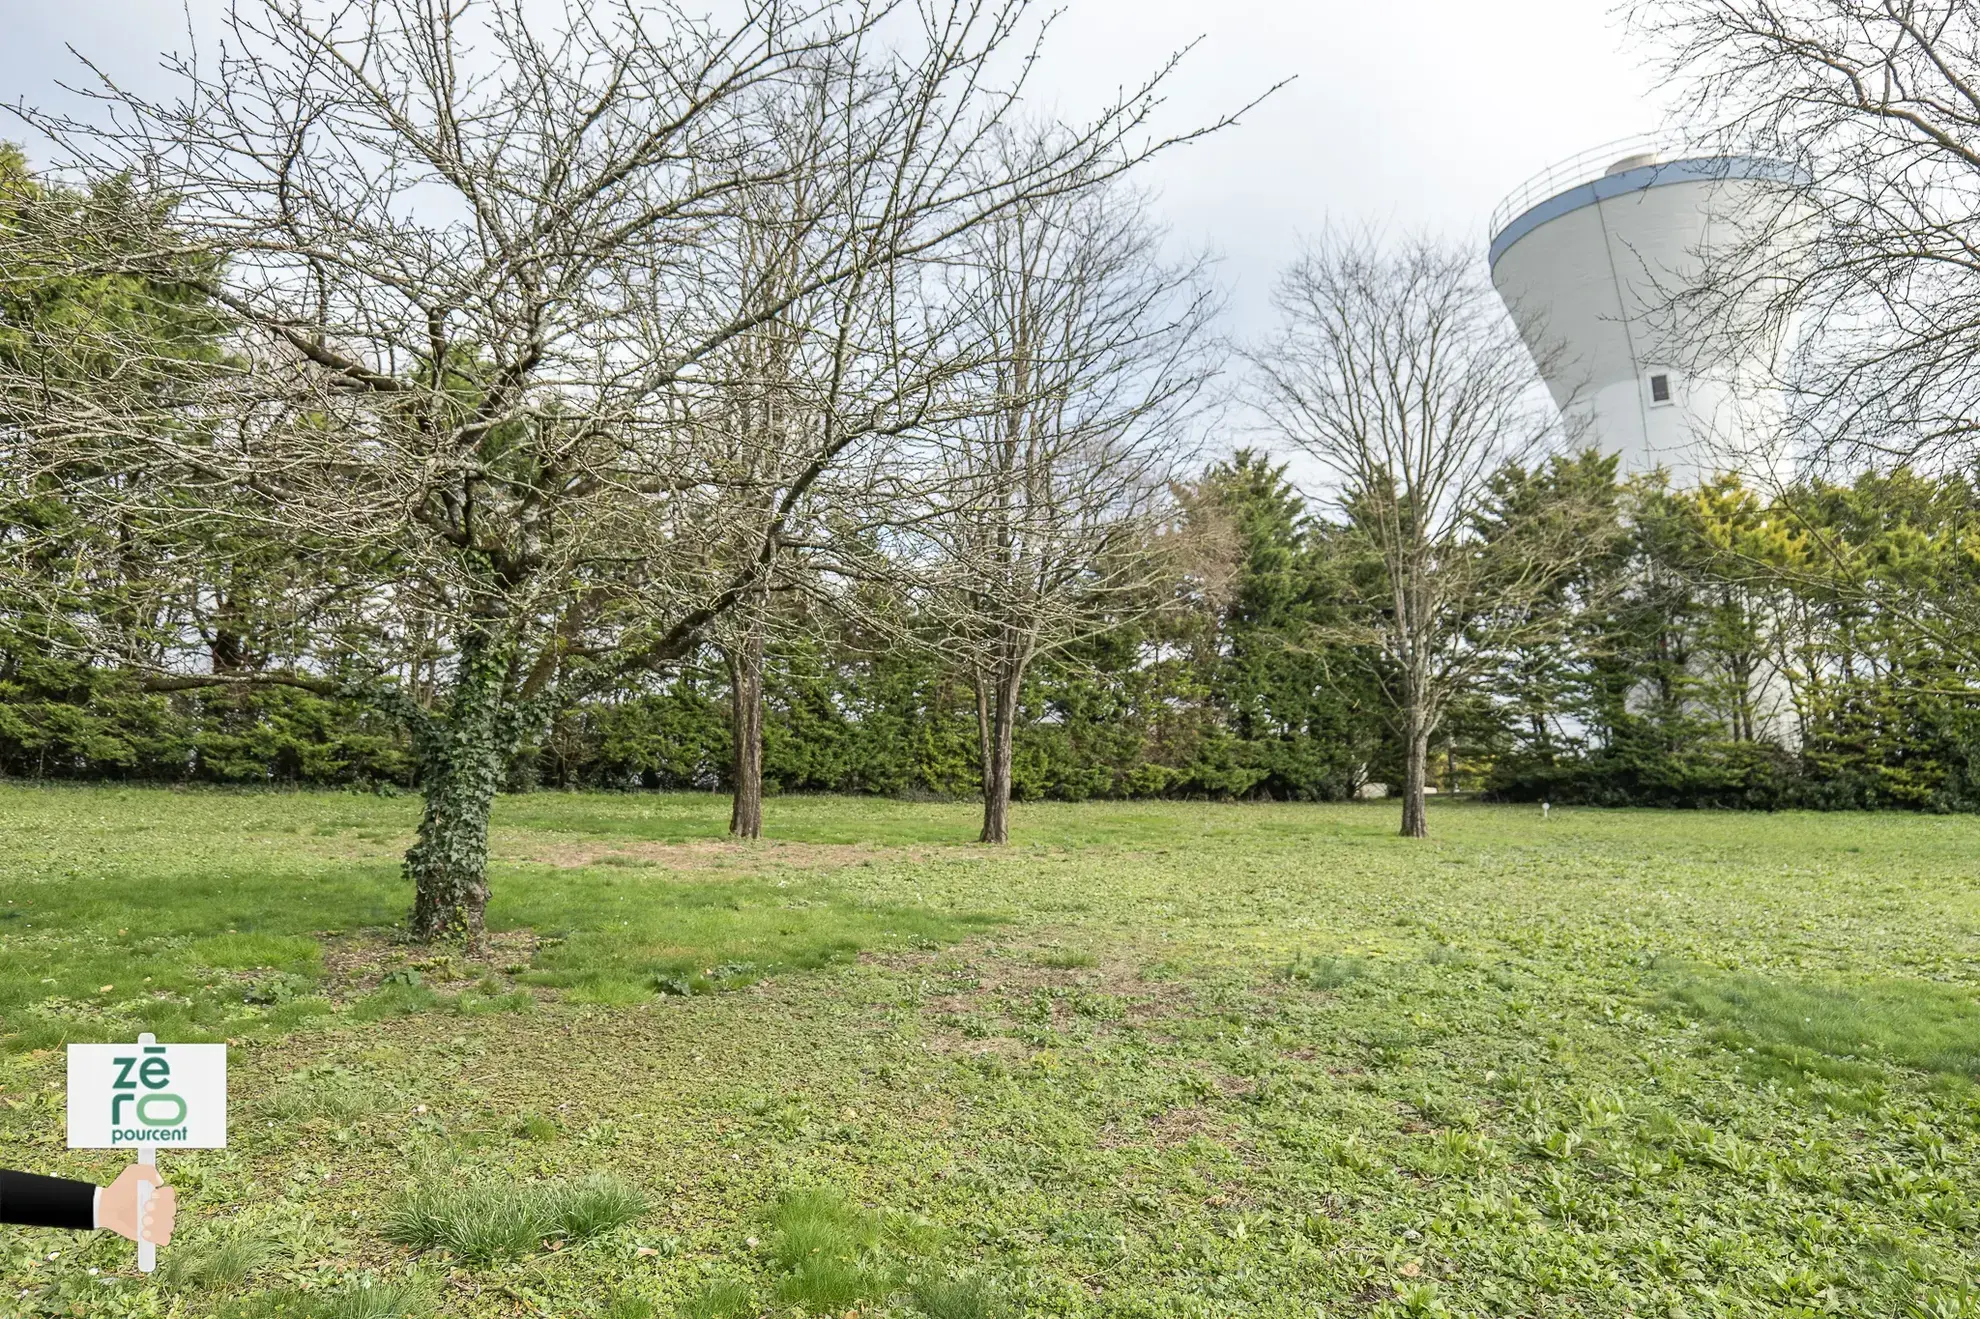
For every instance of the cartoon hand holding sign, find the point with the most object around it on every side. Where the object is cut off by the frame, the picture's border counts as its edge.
(145, 1095)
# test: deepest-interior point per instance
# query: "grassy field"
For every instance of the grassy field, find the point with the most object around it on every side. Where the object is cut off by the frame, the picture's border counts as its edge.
(1152, 1060)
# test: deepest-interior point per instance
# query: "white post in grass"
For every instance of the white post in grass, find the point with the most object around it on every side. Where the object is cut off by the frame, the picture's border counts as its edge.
(147, 1157)
(147, 1248)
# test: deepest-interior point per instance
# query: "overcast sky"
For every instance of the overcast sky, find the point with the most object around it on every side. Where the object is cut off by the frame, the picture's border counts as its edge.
(1410, 114)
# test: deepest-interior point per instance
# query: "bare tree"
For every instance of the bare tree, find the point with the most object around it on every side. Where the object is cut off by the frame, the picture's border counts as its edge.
(799, 413)
(1873, 266)
(1091, 356)
(471, 273)
(1399, 374)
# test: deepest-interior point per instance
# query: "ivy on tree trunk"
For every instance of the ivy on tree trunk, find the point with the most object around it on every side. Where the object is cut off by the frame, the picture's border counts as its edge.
(462, 758)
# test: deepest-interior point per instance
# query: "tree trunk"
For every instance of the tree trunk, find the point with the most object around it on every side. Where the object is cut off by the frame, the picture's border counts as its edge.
(996, 721)
(1415, 820)
(461, 769)
(745, 662)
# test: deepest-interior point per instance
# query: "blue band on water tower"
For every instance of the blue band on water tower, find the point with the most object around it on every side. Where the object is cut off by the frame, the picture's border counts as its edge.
(1641, 179)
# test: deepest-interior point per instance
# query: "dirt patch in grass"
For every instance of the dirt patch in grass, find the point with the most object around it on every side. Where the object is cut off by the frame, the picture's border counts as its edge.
(356, 964)
(983, 975)
(1179, 1126)
(980, 997)
(957, 1044)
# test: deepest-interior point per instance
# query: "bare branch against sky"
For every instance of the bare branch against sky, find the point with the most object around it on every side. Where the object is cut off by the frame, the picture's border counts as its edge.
(1419, 115)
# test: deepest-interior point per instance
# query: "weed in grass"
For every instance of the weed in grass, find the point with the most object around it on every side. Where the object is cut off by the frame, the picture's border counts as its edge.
(1457, 1152)
(534, 1126)
(971, 1296)
(331, 1092)
(823, 1245)
(1419, 1301)
(1961, 1301)
(443, 969)
(214, 1265)
(364, 1299)
(487, 1221)
(629, 1306)
(276, 988)
(712, 980)
(1064, 959)
(474, 1004)
(479, 1224)
(1325, 972)
(394, 1000)
(1352, 1153)
(611, 993)
(1392, 1047)
(289, 1016)
(589, 1208)
(723, 1298)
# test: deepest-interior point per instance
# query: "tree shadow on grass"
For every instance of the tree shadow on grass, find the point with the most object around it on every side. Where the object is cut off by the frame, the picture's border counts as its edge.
(634, 937)
(1918, 1024)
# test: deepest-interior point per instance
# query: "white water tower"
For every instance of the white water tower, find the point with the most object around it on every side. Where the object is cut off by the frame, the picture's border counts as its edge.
(1590, 257)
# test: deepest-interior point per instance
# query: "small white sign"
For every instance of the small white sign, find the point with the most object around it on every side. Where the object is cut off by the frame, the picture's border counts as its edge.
(172, 1096)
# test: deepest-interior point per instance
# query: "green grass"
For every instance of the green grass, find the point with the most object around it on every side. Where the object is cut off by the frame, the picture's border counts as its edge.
(823, 1248)
(352, 1300)
(1151, 1060)
(971, 1296)
(204, 915)
(1326, 972)
(723, 1299)
(214, 1265)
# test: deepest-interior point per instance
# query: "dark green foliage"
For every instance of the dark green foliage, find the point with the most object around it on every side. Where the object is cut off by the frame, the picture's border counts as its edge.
(1652, 691)
(1300, 717)
(1816, 650)
(61, 720)
(462, 757)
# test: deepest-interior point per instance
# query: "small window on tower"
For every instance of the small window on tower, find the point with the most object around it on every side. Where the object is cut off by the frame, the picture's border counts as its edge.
(1660, 389)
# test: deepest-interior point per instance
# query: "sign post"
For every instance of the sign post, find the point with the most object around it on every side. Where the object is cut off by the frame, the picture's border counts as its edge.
(147, 1157)
(144, 1096)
